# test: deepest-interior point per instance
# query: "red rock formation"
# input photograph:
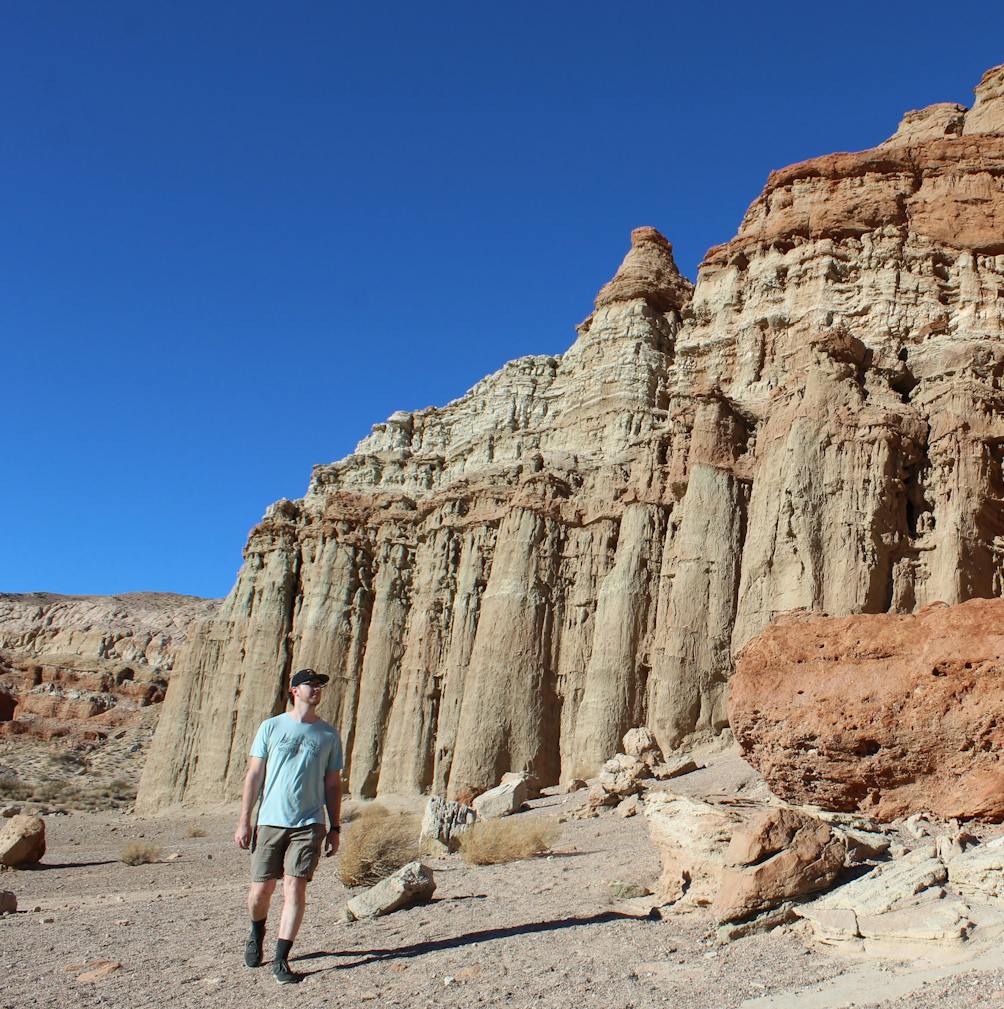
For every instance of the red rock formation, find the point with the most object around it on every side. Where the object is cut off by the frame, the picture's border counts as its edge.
(889, 714)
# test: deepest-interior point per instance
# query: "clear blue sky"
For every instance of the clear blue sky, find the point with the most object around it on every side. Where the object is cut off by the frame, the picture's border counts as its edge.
(235, 235)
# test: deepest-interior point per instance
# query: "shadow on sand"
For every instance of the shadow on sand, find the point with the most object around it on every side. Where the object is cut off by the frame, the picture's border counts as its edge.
(455, 942)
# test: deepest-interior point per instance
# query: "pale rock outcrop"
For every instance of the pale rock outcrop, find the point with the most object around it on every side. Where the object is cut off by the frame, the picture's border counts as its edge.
(891, 714)
(946, 119)
(901, 900)
(581, 543)
(411, 884)
(22, 840)
(987, 113)
(692, 838)
(979, 872)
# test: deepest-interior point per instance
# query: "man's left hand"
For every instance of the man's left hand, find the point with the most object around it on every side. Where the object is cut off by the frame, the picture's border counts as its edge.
(330, 843)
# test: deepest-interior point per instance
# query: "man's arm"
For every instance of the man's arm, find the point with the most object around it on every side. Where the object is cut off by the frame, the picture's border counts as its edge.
(333, 800)
(252, 786)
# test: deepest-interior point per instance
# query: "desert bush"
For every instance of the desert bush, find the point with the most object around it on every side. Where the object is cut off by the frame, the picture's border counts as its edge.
(377, 844)
(194, 830)
(492, 842)
(139, 853)
(11, 788)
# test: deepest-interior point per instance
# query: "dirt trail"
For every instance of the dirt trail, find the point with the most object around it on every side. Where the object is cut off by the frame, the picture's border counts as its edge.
(538, 933)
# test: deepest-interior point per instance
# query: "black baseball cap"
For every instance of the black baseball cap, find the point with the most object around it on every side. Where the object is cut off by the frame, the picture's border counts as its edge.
(307, 676)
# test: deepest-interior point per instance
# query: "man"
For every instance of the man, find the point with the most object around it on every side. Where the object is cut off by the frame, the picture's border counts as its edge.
(299, 758)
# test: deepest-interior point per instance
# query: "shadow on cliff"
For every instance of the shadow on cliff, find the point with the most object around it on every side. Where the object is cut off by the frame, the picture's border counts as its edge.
(456, 942)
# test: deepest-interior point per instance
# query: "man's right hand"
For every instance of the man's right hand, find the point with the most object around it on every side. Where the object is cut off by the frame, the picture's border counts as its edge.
(242, 835)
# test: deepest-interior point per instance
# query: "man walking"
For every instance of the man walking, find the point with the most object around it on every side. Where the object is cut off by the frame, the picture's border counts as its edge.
(299, 758)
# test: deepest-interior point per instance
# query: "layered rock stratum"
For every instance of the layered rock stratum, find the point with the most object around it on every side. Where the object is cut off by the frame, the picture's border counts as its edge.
(581, 543)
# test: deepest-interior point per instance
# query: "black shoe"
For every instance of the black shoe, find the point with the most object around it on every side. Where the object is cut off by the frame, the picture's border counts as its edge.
(252, 951)
(282, 973)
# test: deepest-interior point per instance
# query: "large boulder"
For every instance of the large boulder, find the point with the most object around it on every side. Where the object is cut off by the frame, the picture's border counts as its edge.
(22, 840)
(411, 884)
(780, 854)
(692, 837)
(889, 714)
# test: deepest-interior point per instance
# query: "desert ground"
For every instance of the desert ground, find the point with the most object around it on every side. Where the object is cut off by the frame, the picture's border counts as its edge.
(549, 931)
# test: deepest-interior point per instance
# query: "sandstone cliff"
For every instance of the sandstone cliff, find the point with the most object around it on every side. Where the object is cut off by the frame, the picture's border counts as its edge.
(581, 543)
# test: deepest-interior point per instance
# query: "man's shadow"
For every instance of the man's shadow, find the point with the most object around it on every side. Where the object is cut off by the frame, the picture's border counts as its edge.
(455, 942)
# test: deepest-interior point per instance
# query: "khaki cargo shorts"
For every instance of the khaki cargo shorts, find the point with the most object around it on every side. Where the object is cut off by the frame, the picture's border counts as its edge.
(289, 851)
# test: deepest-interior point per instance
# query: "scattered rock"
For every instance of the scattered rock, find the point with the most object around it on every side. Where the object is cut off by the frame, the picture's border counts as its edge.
(22, 840)
(641, 744)
(8, 902)
(444, 821)
(573, 785)
(531, 780)
(96, 970)
(8, 811)
(621, 890)
(674, 768)
(629, 806)
(411, 884)
(502, 800)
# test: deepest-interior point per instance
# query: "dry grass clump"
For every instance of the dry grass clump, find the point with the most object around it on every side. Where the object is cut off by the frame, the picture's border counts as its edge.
(377, 844)
(492, 842)
(194, 830)
(139, 853)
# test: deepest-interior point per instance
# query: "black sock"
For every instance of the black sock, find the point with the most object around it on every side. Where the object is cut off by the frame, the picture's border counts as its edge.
(258, 929)
(282, 948)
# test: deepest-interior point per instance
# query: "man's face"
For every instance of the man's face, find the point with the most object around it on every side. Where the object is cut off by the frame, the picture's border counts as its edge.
(308, 693)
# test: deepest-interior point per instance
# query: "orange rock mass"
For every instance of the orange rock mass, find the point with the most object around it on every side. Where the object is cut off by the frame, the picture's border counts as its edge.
(890, 714)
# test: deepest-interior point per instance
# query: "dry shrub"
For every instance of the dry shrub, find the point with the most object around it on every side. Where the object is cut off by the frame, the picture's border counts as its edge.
(492, 842)
(377, 844)
(194, 830)
(139, 853)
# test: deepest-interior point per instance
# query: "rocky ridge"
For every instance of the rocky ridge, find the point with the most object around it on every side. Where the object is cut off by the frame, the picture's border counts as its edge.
(82, 679)
(582, 543)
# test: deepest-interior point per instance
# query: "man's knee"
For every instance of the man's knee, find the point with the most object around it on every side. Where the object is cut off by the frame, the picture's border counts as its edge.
(294, 886)
(262, 888)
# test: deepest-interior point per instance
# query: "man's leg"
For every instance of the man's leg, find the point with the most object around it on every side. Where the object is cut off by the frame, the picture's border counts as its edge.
(294, 900)
(258, 900)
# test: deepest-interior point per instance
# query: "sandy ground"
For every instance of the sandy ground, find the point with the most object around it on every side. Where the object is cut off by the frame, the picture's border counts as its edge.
(544, 932)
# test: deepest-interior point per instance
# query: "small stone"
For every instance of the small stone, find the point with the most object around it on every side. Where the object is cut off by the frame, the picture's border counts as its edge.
(8, 902)
(97, 970)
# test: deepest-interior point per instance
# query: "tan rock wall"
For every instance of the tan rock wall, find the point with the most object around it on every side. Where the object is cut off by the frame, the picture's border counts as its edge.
(580, 543)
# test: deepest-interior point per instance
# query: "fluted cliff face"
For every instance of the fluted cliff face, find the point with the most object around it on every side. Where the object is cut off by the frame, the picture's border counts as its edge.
(581, 543)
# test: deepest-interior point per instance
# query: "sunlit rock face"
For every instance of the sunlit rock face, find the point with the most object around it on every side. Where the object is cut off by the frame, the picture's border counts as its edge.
(581, 543)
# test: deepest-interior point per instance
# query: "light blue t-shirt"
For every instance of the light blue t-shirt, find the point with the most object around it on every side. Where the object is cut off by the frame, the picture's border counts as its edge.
(297, 756)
